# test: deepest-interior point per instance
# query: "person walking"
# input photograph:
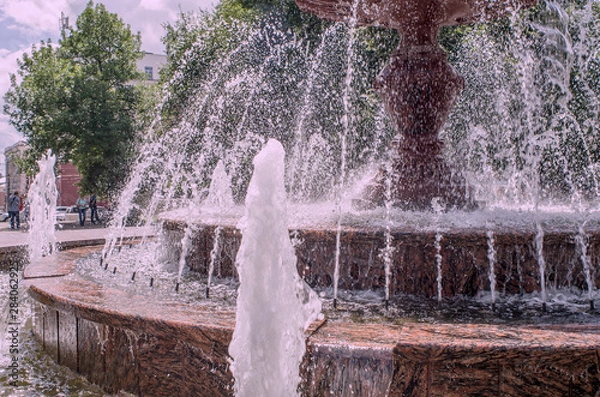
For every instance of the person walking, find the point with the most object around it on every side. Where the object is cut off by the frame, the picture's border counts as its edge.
(93, 209)
(81, 205)
(14, 204)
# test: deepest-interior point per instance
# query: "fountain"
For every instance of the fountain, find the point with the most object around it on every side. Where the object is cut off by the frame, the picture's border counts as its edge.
(418, 88)
(43, 196)
(456, 301)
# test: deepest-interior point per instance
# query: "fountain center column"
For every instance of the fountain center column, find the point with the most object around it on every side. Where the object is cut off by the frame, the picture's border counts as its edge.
(418, 88)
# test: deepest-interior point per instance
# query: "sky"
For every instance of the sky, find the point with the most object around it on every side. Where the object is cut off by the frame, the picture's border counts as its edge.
(27, 22)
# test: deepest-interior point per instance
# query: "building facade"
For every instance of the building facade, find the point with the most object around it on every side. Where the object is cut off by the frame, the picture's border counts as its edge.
(16, 181)
(67, 178)
(150, 65)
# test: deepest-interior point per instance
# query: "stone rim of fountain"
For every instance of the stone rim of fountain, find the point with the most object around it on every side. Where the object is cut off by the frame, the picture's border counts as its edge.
(74, 317)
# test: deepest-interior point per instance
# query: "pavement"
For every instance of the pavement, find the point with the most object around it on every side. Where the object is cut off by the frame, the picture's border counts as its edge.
(66, 232)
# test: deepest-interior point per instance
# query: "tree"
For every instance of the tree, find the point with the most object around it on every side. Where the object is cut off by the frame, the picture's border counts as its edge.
(77, 99)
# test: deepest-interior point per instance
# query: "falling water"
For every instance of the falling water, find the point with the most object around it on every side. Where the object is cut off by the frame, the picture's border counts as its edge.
(214, 257)
(338, 250)
(269, 80)
(42, 199)
(388, 250)
(274, 305)
(492, 264)
(219, 199)
(163, 158)
(186, 246)
(298, 161)
(437, 209)
(537, 105)
(438, 261)
(345, 133)
(539, 246)
(581, 240)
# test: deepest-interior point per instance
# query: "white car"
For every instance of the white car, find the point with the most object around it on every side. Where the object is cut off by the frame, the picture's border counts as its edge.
(61, 213)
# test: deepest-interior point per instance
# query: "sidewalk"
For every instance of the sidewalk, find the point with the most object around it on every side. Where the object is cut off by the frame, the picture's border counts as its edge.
(68, 233)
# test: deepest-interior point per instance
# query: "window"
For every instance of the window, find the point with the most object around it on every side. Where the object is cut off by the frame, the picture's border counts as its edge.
(149, 72)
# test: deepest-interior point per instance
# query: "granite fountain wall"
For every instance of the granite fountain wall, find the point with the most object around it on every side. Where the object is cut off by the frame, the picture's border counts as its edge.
(153, 348)
(465, 262)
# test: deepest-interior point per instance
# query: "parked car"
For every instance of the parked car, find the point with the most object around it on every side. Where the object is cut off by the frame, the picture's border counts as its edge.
(4, 216)
(61, 213)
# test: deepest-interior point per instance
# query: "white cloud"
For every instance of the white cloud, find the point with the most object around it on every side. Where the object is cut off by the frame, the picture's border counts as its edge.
(148, 17)
(40, 18)
(33, 17)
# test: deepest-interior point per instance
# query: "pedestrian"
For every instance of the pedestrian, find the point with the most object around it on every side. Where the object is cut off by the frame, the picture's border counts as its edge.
(81, 205)
(93, 209)
(14, 204)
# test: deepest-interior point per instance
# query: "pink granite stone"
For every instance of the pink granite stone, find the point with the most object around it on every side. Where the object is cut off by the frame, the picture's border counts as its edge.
(154, 348)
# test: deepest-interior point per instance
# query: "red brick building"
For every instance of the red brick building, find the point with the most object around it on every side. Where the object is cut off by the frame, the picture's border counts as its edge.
(66, 180)
(15, 181)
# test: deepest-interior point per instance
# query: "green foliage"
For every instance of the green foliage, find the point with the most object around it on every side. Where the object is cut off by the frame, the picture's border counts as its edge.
(77, 99)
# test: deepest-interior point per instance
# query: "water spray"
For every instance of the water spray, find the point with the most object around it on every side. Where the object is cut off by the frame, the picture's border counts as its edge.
(347, 123)
(583, 244)
(42, 198)
(492, 263)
